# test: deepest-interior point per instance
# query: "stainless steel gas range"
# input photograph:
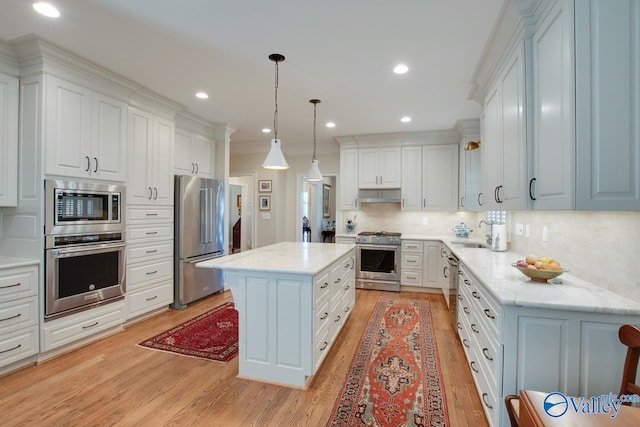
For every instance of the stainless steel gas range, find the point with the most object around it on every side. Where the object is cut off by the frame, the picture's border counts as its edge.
(378, 260)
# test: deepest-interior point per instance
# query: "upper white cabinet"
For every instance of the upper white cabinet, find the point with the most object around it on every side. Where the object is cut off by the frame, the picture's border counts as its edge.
(8, 140)
(607, 76)
(379, 168)
(150, 170)
(552, 174)
(194, 154)
(504, 148)
(430, 177)
(349, 179)
(470, 183)
(85, 132)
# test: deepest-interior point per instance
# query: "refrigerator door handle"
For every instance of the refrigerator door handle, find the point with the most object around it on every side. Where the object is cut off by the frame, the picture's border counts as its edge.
(201, 258)
(204, 215)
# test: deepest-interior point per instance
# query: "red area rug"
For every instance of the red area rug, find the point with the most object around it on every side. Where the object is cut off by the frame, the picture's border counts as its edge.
(394, 378)
(212, 335)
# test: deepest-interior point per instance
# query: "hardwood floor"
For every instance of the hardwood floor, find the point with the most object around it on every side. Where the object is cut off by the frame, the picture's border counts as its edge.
(116, 382)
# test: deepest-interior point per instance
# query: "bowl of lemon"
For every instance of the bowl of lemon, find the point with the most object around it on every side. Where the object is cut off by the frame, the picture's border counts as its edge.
(539, 269)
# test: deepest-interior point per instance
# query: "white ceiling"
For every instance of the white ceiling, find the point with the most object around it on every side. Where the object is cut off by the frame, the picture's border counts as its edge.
(340, 51)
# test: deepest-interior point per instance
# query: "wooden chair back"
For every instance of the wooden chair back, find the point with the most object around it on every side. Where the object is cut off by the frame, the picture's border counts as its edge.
(630, 336)
(512, 402)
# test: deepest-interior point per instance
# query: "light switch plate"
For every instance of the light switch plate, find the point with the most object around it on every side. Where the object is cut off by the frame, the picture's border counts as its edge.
(527, 231)
(519, 229)
(425, 221)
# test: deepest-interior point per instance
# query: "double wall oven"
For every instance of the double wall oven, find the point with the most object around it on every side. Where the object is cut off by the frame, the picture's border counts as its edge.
(84, 245)
(378, 260)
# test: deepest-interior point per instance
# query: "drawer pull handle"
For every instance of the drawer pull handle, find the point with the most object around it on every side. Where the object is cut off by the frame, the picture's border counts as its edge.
(484, 400)
(152, 214)
(459, 325)
(152, 251)
(149, 273)
(149, 233)
(475, 295)
(152, 298)
(346, 309)
(466, 310)
(473, 328)
(473, 367)
(412, 261)
(337, 280)
(337, 319)
(485, 351)
(12, 317)
(412, 277)
(467, 282)
(11, 349)
(459, 297)
(325, 316)
(465, 343)
(11, 286)
(324, 286)
(326, 344)
(346, 288)
(488, 314)
(91, 325)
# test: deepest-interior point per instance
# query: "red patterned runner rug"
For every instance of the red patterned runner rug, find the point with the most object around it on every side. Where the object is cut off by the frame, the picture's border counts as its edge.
(394, 378)
(212, 335)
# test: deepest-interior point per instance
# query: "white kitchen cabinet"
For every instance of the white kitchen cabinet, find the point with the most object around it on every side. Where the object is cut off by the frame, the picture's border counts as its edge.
(194, 154)
(150, 161)
(150, 261)
(9, 88)
(379, 168)
(430, 178)
(18, 314)
(85, 132)
(553, 156)
(607, 54)
(411, 265)
(432, 273)
(470, 182)
(348, 179)
(504, 148)
(346, 240)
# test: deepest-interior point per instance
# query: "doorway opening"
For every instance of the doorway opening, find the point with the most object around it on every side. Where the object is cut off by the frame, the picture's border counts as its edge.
(241, 213)
(316, 219)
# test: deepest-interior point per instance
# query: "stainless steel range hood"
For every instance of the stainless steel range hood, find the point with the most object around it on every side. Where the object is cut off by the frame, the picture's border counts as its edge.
(379, 196)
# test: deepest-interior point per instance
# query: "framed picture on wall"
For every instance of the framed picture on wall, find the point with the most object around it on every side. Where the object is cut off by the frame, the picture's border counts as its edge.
(264, 186)
(265, 203)
(326, 201)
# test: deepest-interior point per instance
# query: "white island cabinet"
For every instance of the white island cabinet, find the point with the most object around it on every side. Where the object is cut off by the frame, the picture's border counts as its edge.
(292, 301)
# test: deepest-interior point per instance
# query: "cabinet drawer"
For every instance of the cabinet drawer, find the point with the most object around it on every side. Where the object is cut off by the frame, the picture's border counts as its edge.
(321, 318)
(19, 282)
(411, 261)
(68, 329)
(321, 288)
(347, 307)
(411, 277)
(412, 246)
(487, 308)
(140, 274)
(159, 232)
(18, 345)
(487, 392)
(489, 352)
(146, 252)
(144, 215)
(144, 300)
(20, 314)
(321, 346)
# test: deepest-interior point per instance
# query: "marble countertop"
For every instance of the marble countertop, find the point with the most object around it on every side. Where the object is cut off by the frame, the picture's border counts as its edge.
(284, 257)
(510, 287)
(10, 262)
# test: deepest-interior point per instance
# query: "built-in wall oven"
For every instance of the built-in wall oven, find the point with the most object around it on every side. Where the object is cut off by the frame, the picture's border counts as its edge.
(378, 260)
(84, 245)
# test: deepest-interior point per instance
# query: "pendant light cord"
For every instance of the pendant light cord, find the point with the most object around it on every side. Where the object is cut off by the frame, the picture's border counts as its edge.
(275, 113)
(314, 131)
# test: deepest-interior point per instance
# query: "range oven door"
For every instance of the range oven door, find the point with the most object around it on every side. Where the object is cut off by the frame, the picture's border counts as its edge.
(378, 262)
(83, 276)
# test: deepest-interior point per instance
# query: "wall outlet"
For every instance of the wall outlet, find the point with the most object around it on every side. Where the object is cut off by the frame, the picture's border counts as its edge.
(545, 233)
(425, 221)
(527, 231)
(519, 229)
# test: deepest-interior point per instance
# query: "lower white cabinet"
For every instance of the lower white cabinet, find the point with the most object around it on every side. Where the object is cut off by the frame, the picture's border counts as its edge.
(510, 348)
(18, 314)
(149, 260)
(347, 240)
(411, 264)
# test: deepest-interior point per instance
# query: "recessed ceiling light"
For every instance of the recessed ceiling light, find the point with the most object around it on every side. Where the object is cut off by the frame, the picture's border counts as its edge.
(330, 125)
(46, 9)
(405, 119)
(266, 130)
(400, 69)
(202, 95)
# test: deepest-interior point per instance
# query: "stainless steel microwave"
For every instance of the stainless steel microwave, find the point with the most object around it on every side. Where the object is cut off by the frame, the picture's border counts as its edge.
(74, 207)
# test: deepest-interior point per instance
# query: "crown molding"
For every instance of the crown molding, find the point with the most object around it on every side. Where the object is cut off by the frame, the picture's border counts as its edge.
(399, 138)
(467, 127)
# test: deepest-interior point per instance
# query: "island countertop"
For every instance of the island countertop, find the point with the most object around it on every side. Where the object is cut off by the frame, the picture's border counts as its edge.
(285, 257)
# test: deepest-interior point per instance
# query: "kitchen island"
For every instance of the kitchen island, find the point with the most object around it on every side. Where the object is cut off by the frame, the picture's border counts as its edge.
(292, 301)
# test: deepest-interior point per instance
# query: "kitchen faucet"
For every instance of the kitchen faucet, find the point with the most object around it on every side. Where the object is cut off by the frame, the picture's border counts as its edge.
(490, 224)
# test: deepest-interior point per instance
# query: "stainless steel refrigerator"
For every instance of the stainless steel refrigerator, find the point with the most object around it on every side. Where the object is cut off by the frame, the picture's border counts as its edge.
(199, 236)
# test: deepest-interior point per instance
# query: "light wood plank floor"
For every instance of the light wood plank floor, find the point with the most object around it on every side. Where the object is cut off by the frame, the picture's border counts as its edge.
(116, 382)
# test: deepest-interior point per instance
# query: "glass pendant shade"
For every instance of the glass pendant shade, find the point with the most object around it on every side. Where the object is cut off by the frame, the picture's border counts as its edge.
(275, 159)
(314, 174)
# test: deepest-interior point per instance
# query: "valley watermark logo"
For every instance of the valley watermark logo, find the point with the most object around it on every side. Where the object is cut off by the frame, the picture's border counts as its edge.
(557, 404)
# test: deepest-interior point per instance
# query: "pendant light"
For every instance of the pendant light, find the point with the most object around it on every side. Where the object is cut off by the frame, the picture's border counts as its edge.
(275, 159)
(314, 173)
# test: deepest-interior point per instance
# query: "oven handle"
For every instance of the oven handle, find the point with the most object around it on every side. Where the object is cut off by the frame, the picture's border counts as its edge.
(106, 247)
(374, 247)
